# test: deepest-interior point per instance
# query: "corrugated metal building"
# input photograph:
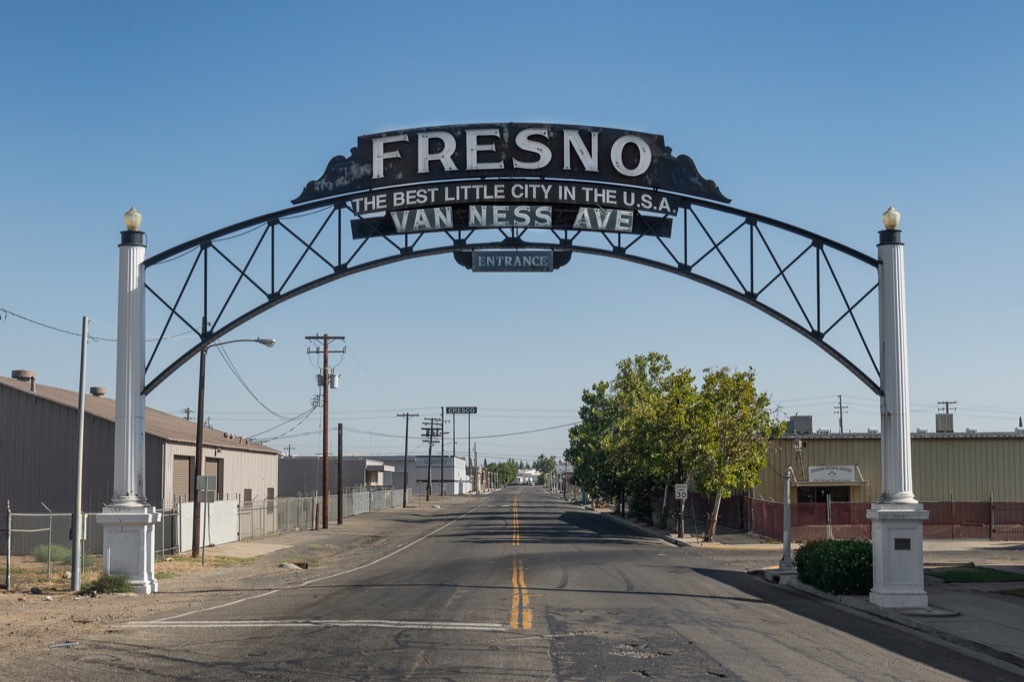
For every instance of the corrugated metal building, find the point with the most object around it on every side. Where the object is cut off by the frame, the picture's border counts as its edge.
(963, 466)
(39, 448)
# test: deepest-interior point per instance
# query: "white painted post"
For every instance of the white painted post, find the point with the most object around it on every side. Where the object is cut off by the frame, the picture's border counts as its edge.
(129, 524)
(786, 563)
(896, 518)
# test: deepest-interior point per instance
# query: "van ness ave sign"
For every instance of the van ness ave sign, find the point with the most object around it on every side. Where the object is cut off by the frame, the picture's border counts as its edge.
(516, 150)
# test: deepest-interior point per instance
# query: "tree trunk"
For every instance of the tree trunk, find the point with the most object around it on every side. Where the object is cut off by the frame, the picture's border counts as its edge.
(664, 504)
(712, 527)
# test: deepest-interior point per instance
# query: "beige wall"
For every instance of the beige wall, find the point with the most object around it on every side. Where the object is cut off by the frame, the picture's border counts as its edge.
(242, 469)
(964, 467)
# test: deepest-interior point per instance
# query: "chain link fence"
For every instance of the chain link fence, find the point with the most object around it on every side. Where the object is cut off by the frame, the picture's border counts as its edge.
(47, 537)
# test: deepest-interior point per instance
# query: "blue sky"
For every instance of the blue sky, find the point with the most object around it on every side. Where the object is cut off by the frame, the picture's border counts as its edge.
(817, 114)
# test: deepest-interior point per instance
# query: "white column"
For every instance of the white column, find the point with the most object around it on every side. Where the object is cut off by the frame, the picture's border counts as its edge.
(129, 524)
(897, 484)
(130, 403)
(897, 518)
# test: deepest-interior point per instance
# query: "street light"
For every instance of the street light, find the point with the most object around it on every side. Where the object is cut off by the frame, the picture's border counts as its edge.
(196, 515)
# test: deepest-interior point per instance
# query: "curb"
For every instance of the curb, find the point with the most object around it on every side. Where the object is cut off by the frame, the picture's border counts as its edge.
(905, 620)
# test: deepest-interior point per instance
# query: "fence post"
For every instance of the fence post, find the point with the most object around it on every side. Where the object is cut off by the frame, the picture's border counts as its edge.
(10, 532)
(991, 517)
(952, 535)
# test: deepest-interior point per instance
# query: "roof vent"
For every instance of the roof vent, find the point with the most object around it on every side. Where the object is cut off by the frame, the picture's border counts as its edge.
(25, 375)
(98, 391)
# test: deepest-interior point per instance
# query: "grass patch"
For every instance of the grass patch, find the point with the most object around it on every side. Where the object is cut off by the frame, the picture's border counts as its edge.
(164, 575)
(1014, 593)
(974, 574)
(59, 554)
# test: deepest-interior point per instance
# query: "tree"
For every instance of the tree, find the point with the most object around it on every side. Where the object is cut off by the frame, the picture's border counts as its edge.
(503, 472)
(546, 467)
(650, 402)
(628, 438)
(732, 429)
(588, 451)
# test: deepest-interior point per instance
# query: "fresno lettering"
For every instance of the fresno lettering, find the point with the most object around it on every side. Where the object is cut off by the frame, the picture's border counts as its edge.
(485, 149)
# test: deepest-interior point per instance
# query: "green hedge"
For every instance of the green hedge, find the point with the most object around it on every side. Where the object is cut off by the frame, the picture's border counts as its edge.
(836, 566)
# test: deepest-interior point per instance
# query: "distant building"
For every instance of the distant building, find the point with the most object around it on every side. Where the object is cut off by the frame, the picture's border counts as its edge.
(39, 449)
(455, 473)
(527, 476)
(303, 476)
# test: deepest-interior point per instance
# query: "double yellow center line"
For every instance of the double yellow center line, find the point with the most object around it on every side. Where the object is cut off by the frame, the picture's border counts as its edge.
(515, 520)
(520, 618)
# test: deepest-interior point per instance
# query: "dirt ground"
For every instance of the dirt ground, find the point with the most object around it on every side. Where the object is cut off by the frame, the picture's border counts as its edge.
(57, 617)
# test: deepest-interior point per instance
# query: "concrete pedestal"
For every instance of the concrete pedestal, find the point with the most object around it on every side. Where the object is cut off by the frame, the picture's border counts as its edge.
(129, 544)
(898, 555)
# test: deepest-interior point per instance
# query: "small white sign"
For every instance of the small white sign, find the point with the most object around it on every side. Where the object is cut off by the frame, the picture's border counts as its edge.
(680, 491)
(832, 474)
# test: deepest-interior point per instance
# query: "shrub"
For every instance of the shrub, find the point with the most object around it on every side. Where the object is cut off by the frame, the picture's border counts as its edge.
(58, 554)
(836, 566)
(109, 584)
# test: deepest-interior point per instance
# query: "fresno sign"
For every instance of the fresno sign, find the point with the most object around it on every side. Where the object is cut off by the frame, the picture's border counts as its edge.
(511, 150)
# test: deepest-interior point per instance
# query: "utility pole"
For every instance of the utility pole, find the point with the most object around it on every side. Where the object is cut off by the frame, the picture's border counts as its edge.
(442, 452)
(188, 414)
(430, 432)
(325, 381)
(946, 404)
(341, 440)
(840, 410)
(405, 466)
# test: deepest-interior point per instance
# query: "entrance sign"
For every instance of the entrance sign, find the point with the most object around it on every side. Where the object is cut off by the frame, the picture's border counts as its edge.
(514, 197)
(456, 178)
(502, 150)
(509, 260)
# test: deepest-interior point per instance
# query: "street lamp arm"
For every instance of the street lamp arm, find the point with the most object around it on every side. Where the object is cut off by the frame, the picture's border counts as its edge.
(199, 459)
(269, 343)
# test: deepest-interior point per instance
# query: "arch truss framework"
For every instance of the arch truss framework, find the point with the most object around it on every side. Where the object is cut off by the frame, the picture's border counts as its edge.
(211, 285)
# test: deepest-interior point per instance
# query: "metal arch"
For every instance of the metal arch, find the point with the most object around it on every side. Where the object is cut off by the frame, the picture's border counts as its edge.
(209, 319)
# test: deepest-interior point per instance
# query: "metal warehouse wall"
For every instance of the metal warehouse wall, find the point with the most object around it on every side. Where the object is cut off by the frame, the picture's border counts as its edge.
(39, 449)
(961, 466)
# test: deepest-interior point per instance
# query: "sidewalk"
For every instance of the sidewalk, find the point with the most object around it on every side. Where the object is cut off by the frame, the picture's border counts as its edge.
(974, 616)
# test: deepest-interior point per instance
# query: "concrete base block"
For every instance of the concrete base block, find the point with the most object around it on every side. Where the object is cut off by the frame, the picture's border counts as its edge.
(129, 544)
(898, 556)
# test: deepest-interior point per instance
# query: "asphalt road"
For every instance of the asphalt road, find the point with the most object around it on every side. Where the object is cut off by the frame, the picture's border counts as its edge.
(518, 585)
